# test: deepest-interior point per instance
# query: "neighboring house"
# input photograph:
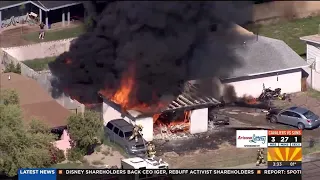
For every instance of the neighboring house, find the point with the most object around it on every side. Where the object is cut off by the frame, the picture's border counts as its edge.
(265, 62)
(313, 58)
(35, 102)
(49, 12)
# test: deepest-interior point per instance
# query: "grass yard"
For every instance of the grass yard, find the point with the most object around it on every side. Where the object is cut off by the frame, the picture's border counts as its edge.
(39, 64)
(313, 93)
(53, 35)
(291, 31)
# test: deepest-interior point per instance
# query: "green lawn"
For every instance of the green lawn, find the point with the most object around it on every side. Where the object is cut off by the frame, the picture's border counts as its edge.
(291, 31)
(313, 93)
(39, 64)
(53, 35)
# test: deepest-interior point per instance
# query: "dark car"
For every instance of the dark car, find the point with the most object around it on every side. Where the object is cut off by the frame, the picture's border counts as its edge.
(295, 116)
(119, 131)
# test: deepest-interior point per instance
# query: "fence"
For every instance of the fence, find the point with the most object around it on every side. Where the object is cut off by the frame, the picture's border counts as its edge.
(276, 10)
(44, 79)
(6, 59)
(39, 50)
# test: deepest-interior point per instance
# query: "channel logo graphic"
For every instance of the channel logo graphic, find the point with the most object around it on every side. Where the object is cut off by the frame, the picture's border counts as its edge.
(252, 139)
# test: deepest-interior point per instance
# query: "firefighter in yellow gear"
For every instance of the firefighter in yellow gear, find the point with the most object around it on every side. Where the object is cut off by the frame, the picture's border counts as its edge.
(136, 133)
(260, 157)
(151, 150)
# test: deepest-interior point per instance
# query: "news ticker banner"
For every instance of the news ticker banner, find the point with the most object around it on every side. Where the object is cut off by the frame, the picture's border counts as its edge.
(69, 174)
(284, 146)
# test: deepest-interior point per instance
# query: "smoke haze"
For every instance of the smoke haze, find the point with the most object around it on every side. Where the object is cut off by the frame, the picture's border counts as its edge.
(163, 43)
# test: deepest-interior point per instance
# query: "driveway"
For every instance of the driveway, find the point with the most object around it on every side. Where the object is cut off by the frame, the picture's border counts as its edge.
(256, 117)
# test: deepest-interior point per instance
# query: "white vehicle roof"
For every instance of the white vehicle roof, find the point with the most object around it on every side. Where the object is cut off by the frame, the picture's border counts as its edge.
(138, 162)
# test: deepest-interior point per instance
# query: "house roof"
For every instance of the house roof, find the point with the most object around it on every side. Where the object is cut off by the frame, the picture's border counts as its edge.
(312, 38)
(9, 4)
(44, 5)
(34, 100)
(53, 5)
(261, 55)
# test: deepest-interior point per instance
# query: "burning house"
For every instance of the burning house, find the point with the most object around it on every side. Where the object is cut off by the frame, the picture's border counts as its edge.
(138, 59)
(186, 113)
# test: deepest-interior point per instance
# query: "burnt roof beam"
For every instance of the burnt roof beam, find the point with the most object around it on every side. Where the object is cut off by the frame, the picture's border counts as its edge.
(185, 99)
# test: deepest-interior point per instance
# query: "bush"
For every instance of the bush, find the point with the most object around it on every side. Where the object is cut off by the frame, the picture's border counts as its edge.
(13, 68)
(57, 155)
(75, 154)
(60, 156)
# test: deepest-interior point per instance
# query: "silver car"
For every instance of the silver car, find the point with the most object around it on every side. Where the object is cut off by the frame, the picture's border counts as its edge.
(119, 131)
(295, 116)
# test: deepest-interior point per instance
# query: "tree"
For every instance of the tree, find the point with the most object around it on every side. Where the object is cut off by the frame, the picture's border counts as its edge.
(9, 96)
(13, 68)
(85, 130)
(21, 145)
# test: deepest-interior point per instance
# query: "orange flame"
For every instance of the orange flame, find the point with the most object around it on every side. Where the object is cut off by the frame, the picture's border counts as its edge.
(184, 121)
(125, 97)
(250, 100)
(122, 95)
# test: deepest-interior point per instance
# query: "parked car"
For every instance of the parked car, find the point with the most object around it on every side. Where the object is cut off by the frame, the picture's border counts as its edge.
(295, 116)
(119, 132)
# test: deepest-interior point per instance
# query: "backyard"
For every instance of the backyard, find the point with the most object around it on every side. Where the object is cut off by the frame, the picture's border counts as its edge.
(39, 64)
(291, 31)
(53, 35)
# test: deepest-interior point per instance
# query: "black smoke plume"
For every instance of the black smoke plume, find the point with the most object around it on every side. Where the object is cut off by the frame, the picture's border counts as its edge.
(166, 43)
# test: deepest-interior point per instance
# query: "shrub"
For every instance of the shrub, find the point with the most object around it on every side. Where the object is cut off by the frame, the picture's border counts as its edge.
(60, 156)
(11, 67)
(75, 154)
(57, 155)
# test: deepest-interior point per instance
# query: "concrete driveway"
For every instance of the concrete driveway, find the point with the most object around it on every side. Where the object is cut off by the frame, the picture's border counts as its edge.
(256, 117)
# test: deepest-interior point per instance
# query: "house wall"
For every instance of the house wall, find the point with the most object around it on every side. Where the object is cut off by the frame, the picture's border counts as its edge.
(112, 112)
(313, 58)
(288, 81)
(313, 51)
(64, 142)
(199, 121)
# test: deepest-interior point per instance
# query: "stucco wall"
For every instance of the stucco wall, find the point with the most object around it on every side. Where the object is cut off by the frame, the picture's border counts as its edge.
(111, 113)
(285, 10)
(39, 50)
(199, 121)
(288, 82)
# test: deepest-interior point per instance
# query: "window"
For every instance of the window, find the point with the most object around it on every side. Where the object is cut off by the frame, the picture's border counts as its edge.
(116, 130)
(128, 134)
(291, 114)
(121, 134)
(110, 126)
(296, 115)
(286, 113)
(309, 114)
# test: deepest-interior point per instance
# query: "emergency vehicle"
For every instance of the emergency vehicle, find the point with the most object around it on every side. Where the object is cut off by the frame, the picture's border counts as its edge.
(138, 163)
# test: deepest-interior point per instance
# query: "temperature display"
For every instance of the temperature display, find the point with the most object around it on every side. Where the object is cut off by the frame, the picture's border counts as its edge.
(284, 163)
